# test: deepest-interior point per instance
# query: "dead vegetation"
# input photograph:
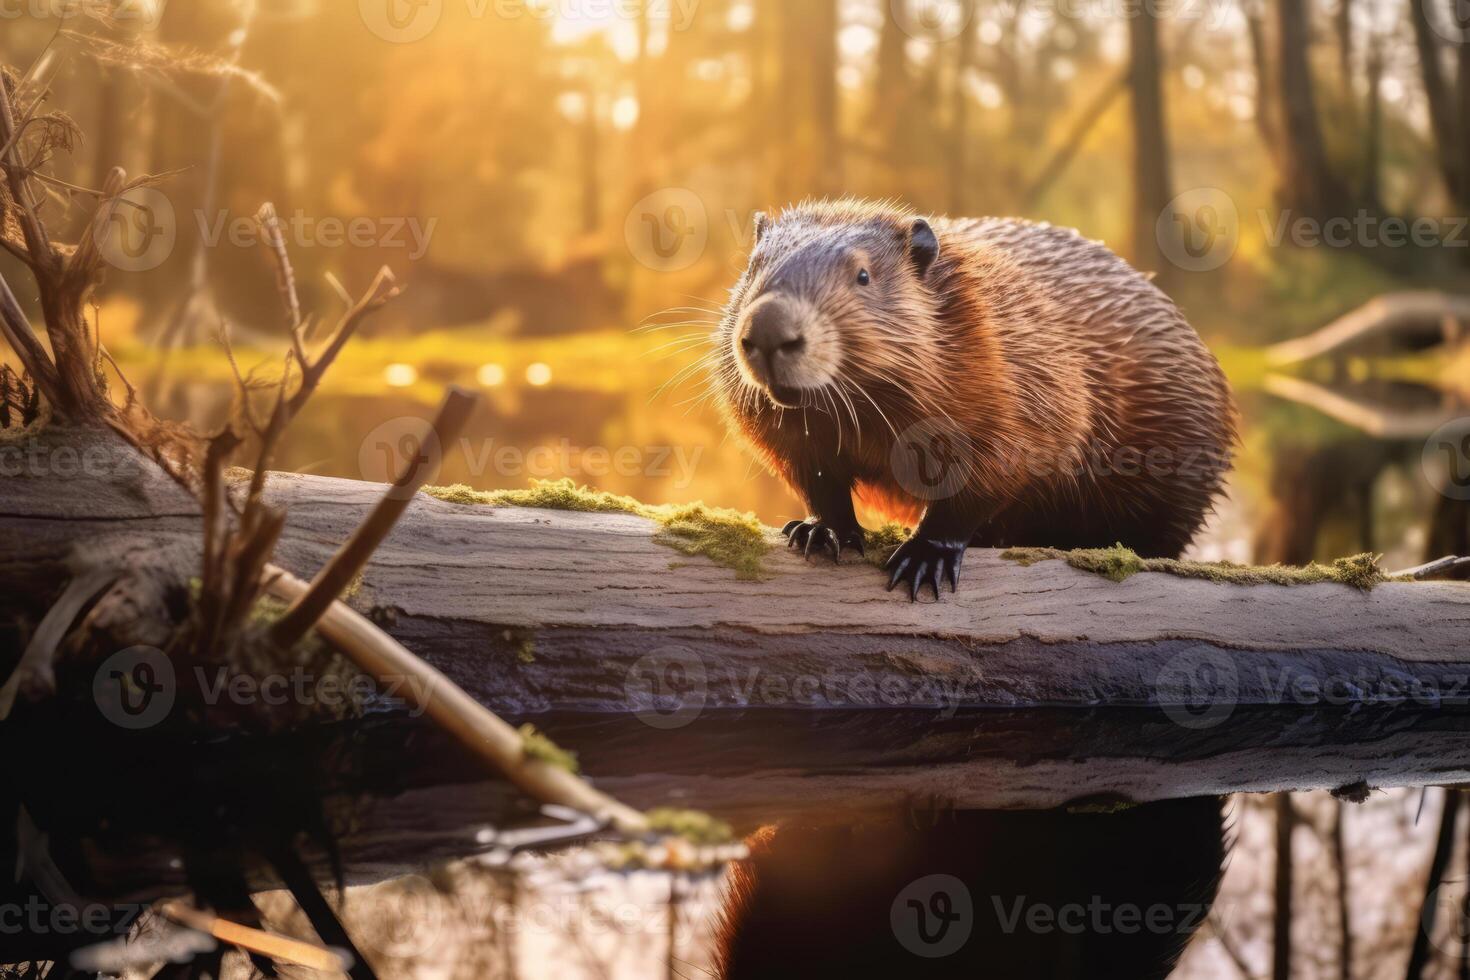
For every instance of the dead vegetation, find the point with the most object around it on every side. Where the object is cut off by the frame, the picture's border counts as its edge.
(240, 611)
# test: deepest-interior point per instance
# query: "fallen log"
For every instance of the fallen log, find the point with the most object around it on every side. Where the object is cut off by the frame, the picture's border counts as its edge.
(811, 687)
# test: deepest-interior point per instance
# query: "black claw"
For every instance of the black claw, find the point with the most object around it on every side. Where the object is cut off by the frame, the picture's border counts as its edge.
(923, 561)
(834, 547)
(917, 578)
(812, 535)
(897, 570)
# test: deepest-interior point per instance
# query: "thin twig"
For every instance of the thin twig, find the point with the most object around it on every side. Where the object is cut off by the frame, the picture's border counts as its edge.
(354, 554)
(280, 948)
(475, 726)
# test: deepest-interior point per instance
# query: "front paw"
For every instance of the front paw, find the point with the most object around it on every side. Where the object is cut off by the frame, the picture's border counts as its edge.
(813, 534)
(926, 561)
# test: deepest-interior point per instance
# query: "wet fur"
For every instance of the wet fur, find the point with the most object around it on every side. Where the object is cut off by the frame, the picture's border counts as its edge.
(1042, 349)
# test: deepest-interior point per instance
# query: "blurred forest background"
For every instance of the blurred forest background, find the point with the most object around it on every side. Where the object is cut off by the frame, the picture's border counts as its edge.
(549, 177)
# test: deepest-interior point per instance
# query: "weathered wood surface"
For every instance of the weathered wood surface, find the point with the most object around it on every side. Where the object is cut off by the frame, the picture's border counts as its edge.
(877, 699)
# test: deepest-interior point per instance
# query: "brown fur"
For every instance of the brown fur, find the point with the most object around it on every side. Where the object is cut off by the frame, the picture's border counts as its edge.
(1041, 350)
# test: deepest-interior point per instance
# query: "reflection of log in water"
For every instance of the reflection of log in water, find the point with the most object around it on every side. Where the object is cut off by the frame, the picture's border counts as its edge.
(1309, 485)
(1396, 414)
(1412, 320)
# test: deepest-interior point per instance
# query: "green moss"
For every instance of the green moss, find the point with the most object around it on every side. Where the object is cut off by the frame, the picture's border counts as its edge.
(692, 825)
(879, 545)
(537, 746)
(1119, 563)
(726, 537)
(730, 538)
(526, 651)
(549, 494)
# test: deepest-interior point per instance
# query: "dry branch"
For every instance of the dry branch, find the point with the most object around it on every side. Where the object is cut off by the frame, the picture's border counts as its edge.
(355, 552)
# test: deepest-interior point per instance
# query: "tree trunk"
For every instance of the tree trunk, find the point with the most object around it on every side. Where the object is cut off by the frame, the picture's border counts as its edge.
(959, 159)
(1266, 99)
(1151, 182)
(890, 101)
(1308, 180)
(826, 25)
(1373, 131)
(1437, 97)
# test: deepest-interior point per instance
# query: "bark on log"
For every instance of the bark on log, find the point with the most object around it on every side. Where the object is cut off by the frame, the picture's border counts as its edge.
(814, 688)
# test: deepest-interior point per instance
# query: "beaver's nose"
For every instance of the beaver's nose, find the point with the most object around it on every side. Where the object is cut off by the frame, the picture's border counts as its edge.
(771, 335)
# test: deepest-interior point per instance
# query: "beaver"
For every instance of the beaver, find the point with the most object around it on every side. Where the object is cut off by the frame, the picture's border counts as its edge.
(1000, 381)
(1049, 894)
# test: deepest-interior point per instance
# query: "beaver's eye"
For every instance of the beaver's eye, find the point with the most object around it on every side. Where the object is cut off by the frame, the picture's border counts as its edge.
(864, 278)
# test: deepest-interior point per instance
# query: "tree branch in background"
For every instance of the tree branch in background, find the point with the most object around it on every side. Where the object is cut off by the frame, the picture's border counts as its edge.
(1086, 121)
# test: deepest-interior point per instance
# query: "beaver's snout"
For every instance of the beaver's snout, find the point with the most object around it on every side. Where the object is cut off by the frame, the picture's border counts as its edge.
(773, 344)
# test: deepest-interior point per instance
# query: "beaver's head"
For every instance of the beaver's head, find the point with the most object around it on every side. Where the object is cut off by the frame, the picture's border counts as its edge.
(834, 297)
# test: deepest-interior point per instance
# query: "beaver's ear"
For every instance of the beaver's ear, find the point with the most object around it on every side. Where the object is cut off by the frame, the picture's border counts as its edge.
(762, 225)
(923, 246)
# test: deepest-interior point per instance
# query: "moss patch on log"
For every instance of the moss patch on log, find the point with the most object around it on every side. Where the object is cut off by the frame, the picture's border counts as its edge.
(879, 545)
(538, 746)
(692, 825)
(1119, 563)
(726, 537)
